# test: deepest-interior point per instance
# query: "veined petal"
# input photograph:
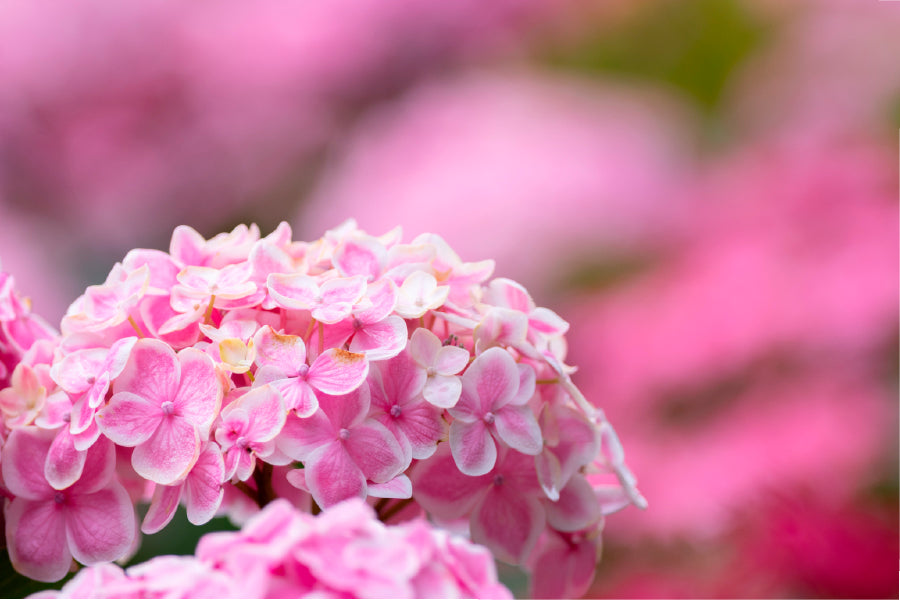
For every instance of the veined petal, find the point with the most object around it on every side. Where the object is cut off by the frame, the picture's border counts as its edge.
(100, 527)
(203, 489)
(129, 419)
(442, 489)
(508, 523)
(375, 451)
(200, 389)
(343, 290)
(332, 476)
(577, 507)
(283, 352)
(298, 396)
(152, 372)
(293, 290)
(162, 508)
(382, 340)
(363, 256)
(517, 427)
(492, 379)
(383, 296)
(266, 409)
(25, 449)
(424, 347)
(547, 322)
(301, 437)
(473, 447)
(169, 453)
(36, 539)
(450, 360)
(64, 463)
(337, 371)
(398, 487)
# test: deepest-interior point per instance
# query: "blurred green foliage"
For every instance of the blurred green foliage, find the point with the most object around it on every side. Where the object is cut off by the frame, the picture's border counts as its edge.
(691, 45)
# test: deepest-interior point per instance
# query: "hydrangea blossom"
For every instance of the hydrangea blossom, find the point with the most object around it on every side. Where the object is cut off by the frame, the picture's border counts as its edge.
(281, 553)
(233, 371)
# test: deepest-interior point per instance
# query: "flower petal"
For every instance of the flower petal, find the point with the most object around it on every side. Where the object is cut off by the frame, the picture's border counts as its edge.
(200, 389)
(473, 447)
(162, 508)
(337, 371)
(129, 419)
(517, 427)
(169, 453)
(332, 476)
(25, 448)
(64, 463)
(203, 490)
(36, 539)
(152, 372)
(375, 451)
(100, 527)
(508, 523)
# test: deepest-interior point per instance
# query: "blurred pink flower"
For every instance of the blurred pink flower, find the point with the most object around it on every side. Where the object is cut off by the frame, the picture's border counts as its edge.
(750, 357)
(495, 163)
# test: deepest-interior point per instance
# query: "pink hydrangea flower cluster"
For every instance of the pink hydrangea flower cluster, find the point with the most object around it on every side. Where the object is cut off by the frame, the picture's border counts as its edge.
(354, 366)
(281, 553)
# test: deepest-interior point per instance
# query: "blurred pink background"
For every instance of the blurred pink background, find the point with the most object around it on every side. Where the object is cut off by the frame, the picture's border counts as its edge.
(705, 189)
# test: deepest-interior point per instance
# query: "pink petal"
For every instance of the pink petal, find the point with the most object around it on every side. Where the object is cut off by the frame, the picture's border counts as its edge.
(284, 352)
(64, 463)
(338, 372)
(450, 360)
(424, 347)
(442, 490)
(398, 487)
(473, 447)
(517, 427)
(332, 476)
(162, 508)
(508, 523)
(343, 290)
(577, 507)
(100, 527)
(169, 453)
(527, 384)
(375, 451)
(152, 372)
(74, 370)
(548, 322)
(382, 340)
(509, 294)
(267, 412)
(492, 380)
(564, 569)
(294, 291)
(99, 468)
(549, 474)
(297, 394)
(383, 296)
(200, 390)
(129, 419)
(422, 425)
(365, 257)
(25, 449)
(36, 539)
(443, 391)
(300, 437)
(82, 414)
(203, 487)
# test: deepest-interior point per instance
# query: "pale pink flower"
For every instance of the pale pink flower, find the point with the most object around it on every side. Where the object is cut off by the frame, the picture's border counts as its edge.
(329, 302)
(342, 448)
(282, 360)
(398, 404)
(92, 520)
(418, 294)
(21, 402)
(371, 329)
(495, 393)
(247, 428)
(441, 363)
(164, 406)
(110, 304)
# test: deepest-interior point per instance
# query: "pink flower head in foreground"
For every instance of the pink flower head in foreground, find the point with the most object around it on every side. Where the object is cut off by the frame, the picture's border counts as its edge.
(233, 372)
(281, 553)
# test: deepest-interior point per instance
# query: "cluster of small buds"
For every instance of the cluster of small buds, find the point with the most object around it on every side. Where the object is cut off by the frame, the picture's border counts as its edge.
(245, 368)
(280, 553)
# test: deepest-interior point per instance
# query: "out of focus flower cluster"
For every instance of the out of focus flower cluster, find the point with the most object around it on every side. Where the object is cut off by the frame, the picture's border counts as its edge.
(234, 370)
(281, 553)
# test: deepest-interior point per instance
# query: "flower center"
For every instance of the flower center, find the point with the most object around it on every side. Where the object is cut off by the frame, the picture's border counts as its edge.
(168, 407)
(489, 418)
(302, 371)
(357, 324)
(67, 418)
(59, 497)
(395, 411)
(498, 479)
(344, 434)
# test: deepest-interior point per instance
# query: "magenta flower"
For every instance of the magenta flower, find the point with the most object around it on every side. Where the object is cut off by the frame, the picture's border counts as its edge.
(164, 406)
(341, 448)
(92, 520)
(329, 302)
(371, 329)
(495, 392)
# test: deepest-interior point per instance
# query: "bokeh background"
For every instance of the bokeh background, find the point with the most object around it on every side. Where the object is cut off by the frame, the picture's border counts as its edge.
(705, 189)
